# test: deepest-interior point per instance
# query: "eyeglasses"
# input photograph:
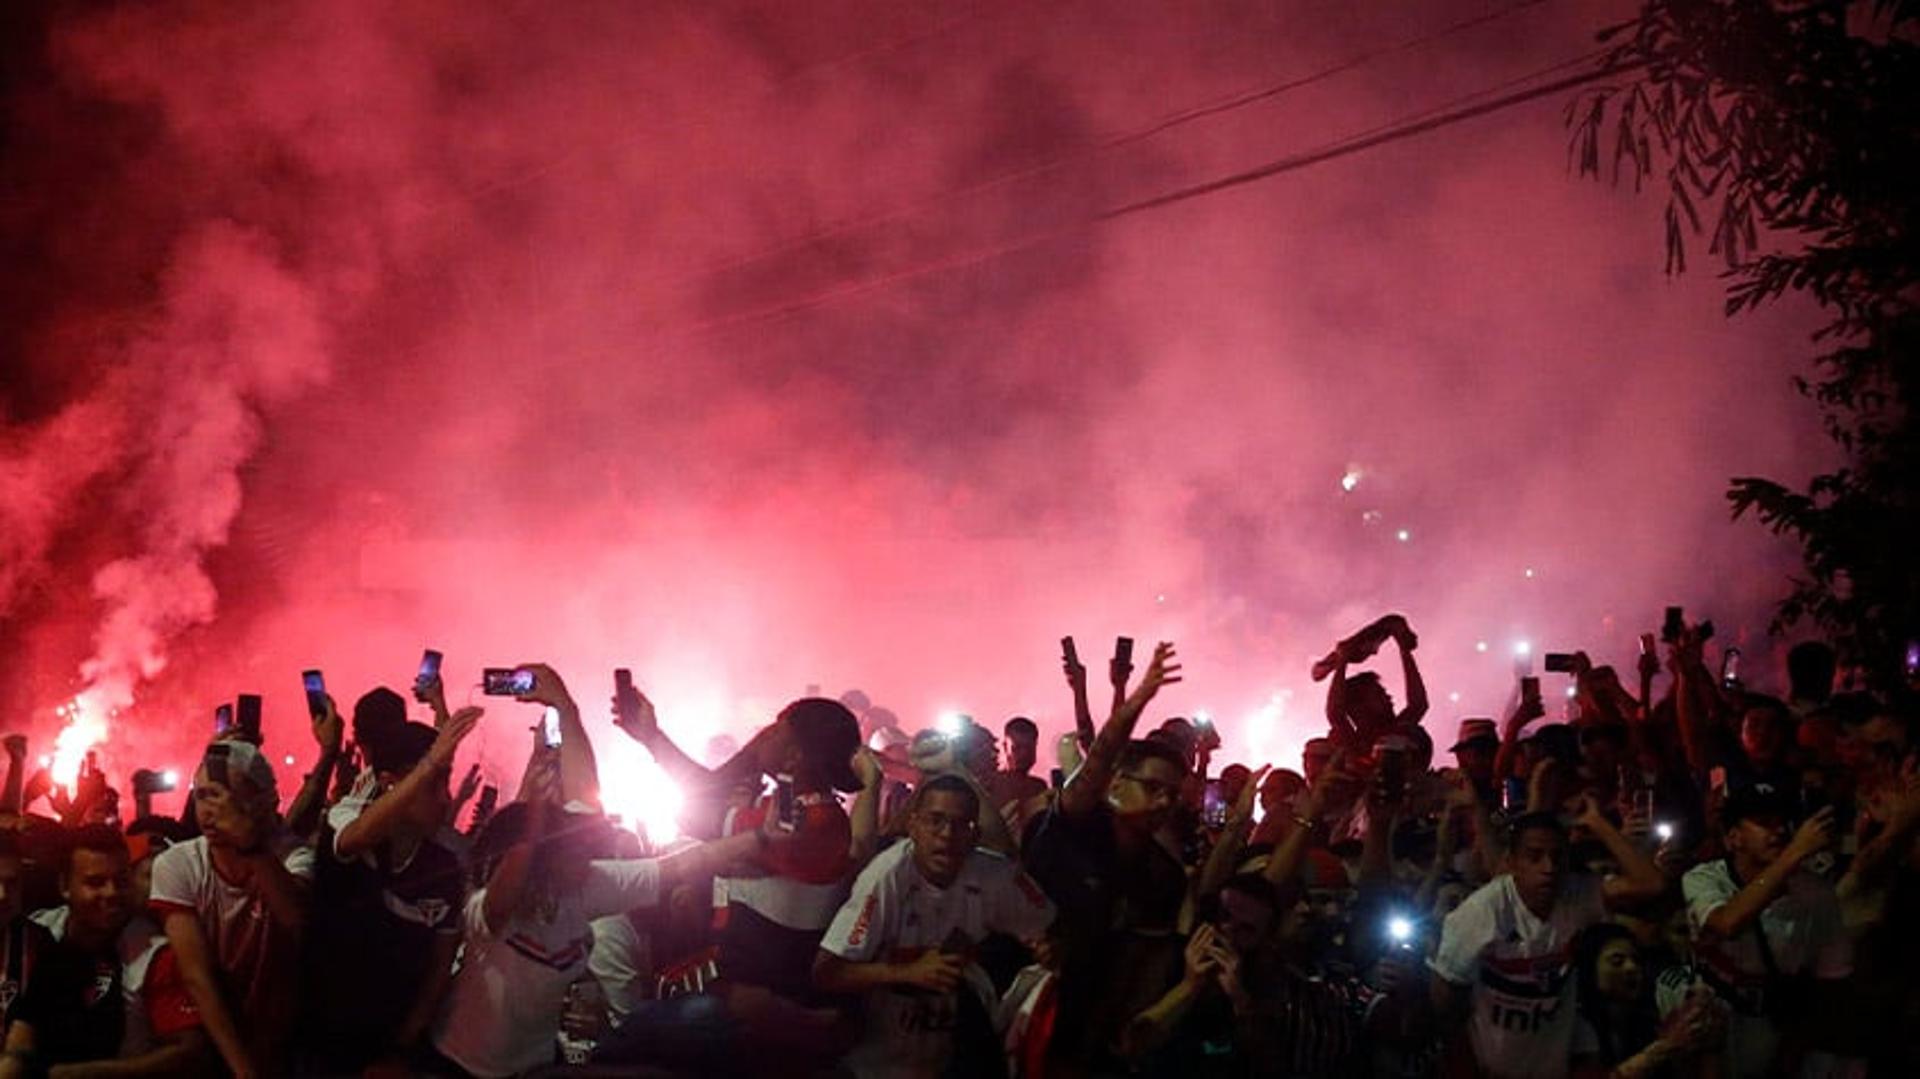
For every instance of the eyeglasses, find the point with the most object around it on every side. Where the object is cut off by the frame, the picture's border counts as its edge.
(942, 824)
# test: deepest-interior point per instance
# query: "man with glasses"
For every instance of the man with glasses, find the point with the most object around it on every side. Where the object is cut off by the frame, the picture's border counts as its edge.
(1101, 854)
(908, 935)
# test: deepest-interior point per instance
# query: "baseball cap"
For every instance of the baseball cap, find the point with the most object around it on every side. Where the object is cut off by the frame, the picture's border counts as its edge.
(827, 735)
(1477, 731)
(1756, 800)
(230, 762)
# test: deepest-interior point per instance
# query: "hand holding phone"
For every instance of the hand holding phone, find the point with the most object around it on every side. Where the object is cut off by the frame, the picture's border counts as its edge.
(316, 688)
(506, 681)
(426, 682)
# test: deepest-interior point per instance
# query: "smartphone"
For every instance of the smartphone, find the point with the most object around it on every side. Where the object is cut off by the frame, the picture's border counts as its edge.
(505, 682)
(550, 728)
(786, 816)
(1068, 652)
(1400, 931)
(1730, 669)
(223, 719)
(246, 716)
(316, 687)
(1673, 625)
(1123, 651)
(1717, 779)
(1058, 777)
(429, 675)
(1213, 805)
(1913, 658)
(1646, 644)
(1530, 691)
(1558, 662)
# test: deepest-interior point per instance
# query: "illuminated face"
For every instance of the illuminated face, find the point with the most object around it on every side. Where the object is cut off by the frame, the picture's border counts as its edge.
(1617, 973)
(96, 889)
(1763, 734)
(1145, 792)
(943, 828)
(1244, 920)
(1539, 865)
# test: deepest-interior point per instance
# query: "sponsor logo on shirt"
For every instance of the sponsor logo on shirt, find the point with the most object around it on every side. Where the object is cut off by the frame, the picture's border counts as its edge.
(864, 924)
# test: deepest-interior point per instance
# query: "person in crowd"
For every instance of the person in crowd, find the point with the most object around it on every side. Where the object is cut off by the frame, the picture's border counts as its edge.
(908, 936)
(1359, 708)
(1119, 887)
(1504, 963)
(1473, 752)
(1768, 936)
(388, 896)
(1617, 1032)
(1015, 785)
(772, 913)
(233, 903)
(107, 997)
(21, 941)
(527, 928)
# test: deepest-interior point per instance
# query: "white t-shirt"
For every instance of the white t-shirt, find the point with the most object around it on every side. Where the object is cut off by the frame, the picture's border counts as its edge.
(502, 1012)
(1520, 968)
(1804, 933)
(896, 915)
(253, 954)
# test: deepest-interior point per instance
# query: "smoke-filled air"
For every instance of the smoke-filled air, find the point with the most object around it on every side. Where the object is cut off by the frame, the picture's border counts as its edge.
(760, 346)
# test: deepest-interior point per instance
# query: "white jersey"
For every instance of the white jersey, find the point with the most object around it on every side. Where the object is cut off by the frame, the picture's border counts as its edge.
(894, 915)
(1804, 933)
(502, 1012)
(1519, 968)
(246, 944)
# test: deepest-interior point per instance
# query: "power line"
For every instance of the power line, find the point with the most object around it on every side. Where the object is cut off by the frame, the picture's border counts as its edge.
(1179, 118)
(1420, 122)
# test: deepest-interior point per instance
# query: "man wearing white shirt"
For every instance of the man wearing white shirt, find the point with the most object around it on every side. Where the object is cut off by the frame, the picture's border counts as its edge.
(1506, 953)
(908, 935)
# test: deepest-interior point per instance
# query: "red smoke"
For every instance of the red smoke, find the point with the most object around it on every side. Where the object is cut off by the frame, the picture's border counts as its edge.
(529, 331)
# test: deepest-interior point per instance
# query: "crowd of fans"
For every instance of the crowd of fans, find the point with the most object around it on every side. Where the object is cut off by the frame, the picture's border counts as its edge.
(1705, 880)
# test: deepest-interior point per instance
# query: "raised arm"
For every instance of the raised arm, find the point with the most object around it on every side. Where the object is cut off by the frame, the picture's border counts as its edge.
(196, 970)
(865, 816)
(1732, 918)
(1225, 855)
(1639, 880)
(1339, 727)
(1089, 783)
(374, 826)
(1416, 687)
(579, 772)
(1076, 673)
(1292, 851)
(507, 886)
(16, 773)
(303, 813)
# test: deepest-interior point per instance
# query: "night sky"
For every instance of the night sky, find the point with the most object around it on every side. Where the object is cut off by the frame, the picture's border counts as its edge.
(761, 345)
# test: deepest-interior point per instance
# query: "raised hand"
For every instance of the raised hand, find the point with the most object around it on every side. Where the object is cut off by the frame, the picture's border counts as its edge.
(328, 728)
(635, 716)
(547, 689)
(16, 746)
(1162, 671)
(1202, 960)
(1813, 836)
(867, 768)
(469, 783)
(447, 743)
(542, 783)
(1242, 808)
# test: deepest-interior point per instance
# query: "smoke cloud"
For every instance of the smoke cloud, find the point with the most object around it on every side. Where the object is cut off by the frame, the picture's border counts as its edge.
(764, 346)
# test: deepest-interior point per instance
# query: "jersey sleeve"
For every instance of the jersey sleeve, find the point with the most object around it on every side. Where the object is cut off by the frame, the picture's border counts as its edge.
(860, 926)
(1019, 908)
(614, 886)
(1706, 888)
(170, 1008)
(176, 881)
(1465, 937)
